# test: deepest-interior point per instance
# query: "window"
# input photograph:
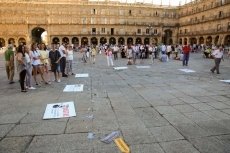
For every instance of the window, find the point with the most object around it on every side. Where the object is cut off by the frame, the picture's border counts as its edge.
(173, 15)
(213, 4)
(187, 12)
(83, 20)
(222, 2)
(220, 14)
(94, 31)
(121, 12)
(228, 25)
(218, 27)
(112, 12)
(203, 18)
(93, 20)
(122, 21)
(130, 12)
(138, 31)
(103, 21)
(195, 19)
(102, 30)
(147, 31)
(164, 14)
(185, 31)
(156, 13)
(191, 20)
(180, 31)
(83, 11)
(155, 31)
(121, 31)
(197, 9)
(83, 30)
(102, 11)
(204, 7)
(93, 11)
(111, 21)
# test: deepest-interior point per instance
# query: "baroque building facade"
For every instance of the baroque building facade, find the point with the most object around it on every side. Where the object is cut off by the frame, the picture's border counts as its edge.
(95, 22)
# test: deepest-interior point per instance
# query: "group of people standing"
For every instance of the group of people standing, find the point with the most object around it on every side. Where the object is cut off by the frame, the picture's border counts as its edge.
(38, 59)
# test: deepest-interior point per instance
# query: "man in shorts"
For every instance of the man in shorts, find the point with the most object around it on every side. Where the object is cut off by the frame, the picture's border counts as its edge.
(55, 57)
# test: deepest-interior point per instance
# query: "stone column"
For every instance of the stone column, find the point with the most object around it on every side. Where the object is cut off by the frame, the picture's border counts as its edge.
(79, 39)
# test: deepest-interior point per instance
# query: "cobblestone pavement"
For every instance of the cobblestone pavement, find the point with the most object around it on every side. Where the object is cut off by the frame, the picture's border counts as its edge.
(157, 110)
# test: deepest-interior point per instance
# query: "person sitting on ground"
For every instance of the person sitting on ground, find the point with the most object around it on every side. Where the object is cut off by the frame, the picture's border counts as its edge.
(180, 57)
(207, 53)
(164, 58)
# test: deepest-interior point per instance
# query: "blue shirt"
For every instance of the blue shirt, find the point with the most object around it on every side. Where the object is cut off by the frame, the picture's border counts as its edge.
(164, 58)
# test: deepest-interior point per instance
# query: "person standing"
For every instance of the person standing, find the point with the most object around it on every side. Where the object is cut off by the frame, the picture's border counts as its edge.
(9, 63)
(55, 57)
(163, 48)
(130, 55)
(115, 51)
(93, 54)
(217, 55)
(109, 56)
(169, 50)
(69, 57)
(62, 51)
(21, 66)
(186, 50)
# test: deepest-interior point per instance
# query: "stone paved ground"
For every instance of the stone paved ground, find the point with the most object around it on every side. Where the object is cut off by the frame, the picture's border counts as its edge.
(157, 110)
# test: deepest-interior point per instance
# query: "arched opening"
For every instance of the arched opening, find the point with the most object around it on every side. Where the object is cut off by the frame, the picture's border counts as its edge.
(130, 41)
(209, 41)
(193, 41)
(39, 35)
(154, 41)
(227, 40)
(201, 40)
(185, 41)
(180, 41)
(56, 40)
(2, 42)
(84, 41)
(167, 37)
(21, 41)
(75, 40)
(112, 41)
(138, 41)
(11, 41)
(94, 41)
(121, 41)
(146, 41)
(103, 40)
(217, 40)
(65, 40)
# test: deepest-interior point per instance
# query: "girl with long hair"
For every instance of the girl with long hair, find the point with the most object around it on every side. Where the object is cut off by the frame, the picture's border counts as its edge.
(21, 66)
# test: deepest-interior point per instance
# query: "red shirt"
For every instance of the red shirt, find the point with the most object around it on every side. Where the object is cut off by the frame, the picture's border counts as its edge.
(186, 49)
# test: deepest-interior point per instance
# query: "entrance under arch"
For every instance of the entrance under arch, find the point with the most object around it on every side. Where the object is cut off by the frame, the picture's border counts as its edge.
(2, 42)
(154, 41)
(84, 41)
(227, 40)
(209, 40)
(22, 41)
(217, 40)
(56, 40)
(193, 41)
(65, 40)
(103, 40)
(180, 41)
(130, 41)
(37, 35)
(94, 41)
(167, 37)
(201, 40)
(185, 41)
(138, 41)
(75, 40)
(11, 41)
(121, 41)
(112, 41)
(146, 41)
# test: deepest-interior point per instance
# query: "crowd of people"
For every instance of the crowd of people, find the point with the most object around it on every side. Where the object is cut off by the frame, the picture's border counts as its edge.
(39, 58)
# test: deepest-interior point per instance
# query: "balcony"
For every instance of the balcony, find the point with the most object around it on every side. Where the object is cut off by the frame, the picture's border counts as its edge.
(205, 32)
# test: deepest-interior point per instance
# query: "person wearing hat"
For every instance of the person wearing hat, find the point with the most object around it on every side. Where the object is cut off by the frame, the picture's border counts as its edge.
(217, 55)
(9, 63)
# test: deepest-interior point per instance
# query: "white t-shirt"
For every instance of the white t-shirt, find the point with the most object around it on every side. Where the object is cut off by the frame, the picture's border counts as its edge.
(217, 53)
(35, 54)
(27, 58)
(70, 55)
(61, 50)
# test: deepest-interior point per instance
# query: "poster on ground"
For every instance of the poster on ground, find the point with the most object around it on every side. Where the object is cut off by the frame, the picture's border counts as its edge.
(82, 75)
(59, 110)
(73, 88)
(143, 67)
(186, 70)
(120, 68)
(227, 81)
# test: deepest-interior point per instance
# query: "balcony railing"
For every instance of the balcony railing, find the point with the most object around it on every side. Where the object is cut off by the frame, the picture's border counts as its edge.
(205, 32)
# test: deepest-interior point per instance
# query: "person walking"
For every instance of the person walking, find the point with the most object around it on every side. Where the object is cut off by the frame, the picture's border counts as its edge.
(21, 66)
(217, 55)
(109, 56)
(69, 57)
(186, 51)
(62, 51)
(9, 63)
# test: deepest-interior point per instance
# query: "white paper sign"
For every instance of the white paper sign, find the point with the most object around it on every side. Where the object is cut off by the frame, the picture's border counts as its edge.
(73, 88)
(227, 81)
(186, 70)
(120, 68)
(143, 67)
(59, 110)
(81, 75)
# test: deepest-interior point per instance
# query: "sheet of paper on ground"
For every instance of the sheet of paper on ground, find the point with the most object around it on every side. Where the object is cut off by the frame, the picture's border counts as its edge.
(82, 75)
(73, 88)
(59, 110)
(111, 137)
(186, 70)
(227, 81)
(120, 68)
(143, 67)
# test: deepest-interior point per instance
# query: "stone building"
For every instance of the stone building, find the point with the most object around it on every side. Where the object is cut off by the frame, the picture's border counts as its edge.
(98, 22)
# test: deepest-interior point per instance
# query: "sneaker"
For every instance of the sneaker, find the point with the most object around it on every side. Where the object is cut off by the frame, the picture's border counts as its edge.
(46, 83)
(31, 88)
(55, 80)
(58, 80)
(49, 82)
